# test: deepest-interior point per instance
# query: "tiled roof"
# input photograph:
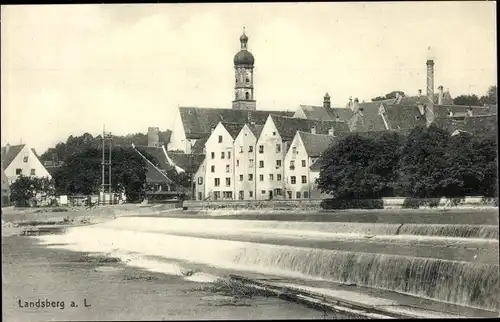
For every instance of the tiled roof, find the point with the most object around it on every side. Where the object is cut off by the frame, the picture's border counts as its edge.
(404, 116)
(199, 121)
(366, 118)
(410, 100)
(315, 144)
(233, 128)
(164, 136)
(316, 166)
(157, 154)
(256, 129)
(187, 161)
(52, 170)
(10, 155)
(154, 174)
(479, 124)
(199, 146)
(317, 113)
(444, 110)
(288, 126)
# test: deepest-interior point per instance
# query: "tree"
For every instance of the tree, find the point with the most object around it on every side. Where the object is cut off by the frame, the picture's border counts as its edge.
(491, 96)
(82, 173)
(359, 167)
(469, 100)
(387, 96)
(25, 189)
(422, 165)
(485, 158)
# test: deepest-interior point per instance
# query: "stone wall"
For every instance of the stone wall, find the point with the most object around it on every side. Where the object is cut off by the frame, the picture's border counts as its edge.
(315, 204)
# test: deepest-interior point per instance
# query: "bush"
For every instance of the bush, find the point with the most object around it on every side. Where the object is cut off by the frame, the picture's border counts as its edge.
(416, 203)
(352, 204)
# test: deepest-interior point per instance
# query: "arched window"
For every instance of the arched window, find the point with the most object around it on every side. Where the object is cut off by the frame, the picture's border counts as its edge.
(247, 96)
(247, 80)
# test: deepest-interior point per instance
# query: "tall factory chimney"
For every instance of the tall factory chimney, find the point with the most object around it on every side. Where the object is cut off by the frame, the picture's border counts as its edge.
(430, 80)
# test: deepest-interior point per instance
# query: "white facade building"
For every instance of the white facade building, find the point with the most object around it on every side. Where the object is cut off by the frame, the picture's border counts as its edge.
(245, 162)
(20, 159)
(304, 150)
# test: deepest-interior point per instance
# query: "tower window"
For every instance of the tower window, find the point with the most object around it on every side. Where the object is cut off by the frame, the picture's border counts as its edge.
(247, 96)
(247, 80)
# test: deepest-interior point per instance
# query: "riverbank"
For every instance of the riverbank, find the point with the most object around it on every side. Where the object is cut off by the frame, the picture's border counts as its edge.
(115, 291)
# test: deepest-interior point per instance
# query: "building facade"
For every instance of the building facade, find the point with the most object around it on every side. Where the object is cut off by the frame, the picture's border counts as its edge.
(21, 160)
(245, 166)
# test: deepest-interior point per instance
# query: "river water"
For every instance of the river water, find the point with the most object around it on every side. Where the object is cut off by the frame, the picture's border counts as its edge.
(444, 262)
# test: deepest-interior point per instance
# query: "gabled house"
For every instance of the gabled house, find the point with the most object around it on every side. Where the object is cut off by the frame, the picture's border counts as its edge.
(156, 175)
(324, 112)
(20, 159)
(244, 154)
(272, 146)
(220, 161)
(195, 123)
(304, 150)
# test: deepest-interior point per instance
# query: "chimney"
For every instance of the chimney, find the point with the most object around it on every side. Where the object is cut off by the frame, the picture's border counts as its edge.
(440, 95)
(7, 148)
(153, 137)
(430, 80)
(326, 101)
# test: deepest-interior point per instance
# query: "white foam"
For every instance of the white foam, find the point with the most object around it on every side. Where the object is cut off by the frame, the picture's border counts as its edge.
(202, 278)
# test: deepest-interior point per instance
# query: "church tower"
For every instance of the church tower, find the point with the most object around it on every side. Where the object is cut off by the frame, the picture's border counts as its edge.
(243, 68)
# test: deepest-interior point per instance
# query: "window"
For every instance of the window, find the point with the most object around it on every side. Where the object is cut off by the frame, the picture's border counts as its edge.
(247, 96)
(216, 195)
(298, 194)
(278, 177)
(25, 159)
(274, 133)
(19, 171)
(200, 196)
(212, 168)
(271, 177)
(313, 130)
(222, 155)
(263, 192)
(261, 149)
(250, 148)
(220, 138)
(261, 164)
(227, 168)
(250, 194)
(292, 165)
(213, 155)
(237, 163)
(241, 148)
(330, 132)
(217, 182)
(241, 177)
(247, 80)
(241, 194)
(278, 148)
(250, 165)
(293, 179)
(228, 182)
(306, 194)
(278, 163)
(200, 180)
(303, 163)
(304, 179)
(261, 177)
(32, 172)
(250, 177)
(228, 154)
(278, 192)
(227, 194)
(294, 150)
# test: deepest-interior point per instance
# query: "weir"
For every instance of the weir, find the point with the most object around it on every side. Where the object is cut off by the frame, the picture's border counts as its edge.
(448, 263)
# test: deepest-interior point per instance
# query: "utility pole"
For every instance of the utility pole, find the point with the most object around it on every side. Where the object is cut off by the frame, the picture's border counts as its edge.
(106, 163)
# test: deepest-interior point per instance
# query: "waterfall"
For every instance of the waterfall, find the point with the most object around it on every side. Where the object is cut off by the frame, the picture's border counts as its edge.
(452, 278)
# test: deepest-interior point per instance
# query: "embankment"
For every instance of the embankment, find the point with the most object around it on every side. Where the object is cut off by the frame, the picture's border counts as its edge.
(323, 204)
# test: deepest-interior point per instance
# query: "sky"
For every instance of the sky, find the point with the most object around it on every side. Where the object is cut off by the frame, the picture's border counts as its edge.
(70, 69)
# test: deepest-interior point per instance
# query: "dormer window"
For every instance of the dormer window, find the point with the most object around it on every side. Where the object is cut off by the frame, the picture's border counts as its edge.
(450, 113)
(330, 131)
(313, 130)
